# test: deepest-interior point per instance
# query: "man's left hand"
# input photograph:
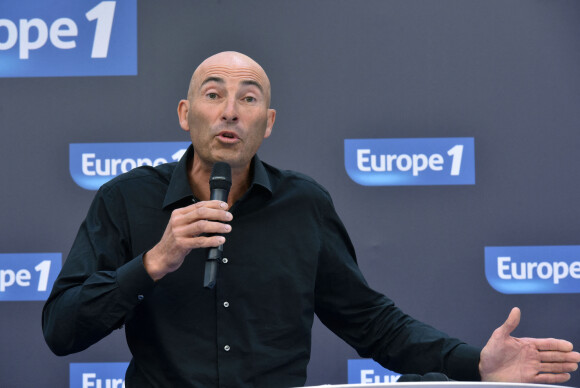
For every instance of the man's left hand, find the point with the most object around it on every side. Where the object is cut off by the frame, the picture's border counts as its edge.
(526, 360)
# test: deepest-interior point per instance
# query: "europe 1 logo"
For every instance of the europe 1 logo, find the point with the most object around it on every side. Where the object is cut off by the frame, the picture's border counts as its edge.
(407, 162)
(67, 38)
(28, 276)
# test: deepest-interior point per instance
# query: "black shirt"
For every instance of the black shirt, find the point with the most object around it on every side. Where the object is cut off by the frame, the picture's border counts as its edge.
(288, 256)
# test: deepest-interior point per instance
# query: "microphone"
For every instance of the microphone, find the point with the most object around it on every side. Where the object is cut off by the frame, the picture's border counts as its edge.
(432, 376)
(219, 186)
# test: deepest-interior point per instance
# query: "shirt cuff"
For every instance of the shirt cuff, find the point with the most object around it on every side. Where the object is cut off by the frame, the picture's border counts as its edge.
(463, 363)
(133, 280)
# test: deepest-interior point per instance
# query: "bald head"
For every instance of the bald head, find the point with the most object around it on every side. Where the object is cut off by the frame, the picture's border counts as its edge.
(230, 63)
(227, 112)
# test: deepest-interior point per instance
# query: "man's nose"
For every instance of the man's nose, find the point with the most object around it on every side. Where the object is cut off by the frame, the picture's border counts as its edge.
(230, 112)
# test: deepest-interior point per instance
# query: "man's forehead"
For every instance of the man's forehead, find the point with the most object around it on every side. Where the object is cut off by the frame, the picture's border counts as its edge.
(230, 67)
(229, 73)
(242, 81)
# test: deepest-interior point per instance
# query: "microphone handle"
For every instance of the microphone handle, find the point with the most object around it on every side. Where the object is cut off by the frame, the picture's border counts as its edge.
(215, 253)
(211, 266)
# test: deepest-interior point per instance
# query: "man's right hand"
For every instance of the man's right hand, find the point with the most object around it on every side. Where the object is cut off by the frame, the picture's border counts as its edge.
(187, 229)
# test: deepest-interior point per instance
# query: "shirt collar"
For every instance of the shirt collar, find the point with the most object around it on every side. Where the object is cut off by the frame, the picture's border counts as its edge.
(179, 190)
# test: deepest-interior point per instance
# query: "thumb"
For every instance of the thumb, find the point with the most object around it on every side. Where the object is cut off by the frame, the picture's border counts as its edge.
(511, 322)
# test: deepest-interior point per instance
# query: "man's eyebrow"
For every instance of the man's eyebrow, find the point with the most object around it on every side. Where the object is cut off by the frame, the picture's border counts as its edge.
(254, 83)
(212, 79)
(221, 81)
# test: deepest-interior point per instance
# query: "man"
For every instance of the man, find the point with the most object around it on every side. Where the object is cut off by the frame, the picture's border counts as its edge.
(139, 257)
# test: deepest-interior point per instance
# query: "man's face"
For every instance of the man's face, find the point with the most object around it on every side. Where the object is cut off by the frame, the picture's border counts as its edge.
(227, 112)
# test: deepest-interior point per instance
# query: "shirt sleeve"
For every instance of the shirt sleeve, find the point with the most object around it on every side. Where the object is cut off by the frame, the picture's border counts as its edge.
(100, 282)
(371, 323)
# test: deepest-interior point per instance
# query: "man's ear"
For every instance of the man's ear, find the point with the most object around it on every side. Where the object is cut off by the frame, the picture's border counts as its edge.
(183, 113)
(270, 122)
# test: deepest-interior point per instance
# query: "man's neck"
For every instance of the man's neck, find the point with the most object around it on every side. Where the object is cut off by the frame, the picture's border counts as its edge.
(200, 173)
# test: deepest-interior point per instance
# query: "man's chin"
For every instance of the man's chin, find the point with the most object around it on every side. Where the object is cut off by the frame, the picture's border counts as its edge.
(233, 160)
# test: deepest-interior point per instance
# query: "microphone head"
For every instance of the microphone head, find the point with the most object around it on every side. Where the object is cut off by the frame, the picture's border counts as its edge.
(221, 176)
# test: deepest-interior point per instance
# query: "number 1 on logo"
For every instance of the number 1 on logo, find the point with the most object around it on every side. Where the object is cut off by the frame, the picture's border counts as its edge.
(104, 13)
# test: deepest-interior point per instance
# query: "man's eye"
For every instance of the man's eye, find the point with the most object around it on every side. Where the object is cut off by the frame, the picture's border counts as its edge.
(212, 96)
(249, 99)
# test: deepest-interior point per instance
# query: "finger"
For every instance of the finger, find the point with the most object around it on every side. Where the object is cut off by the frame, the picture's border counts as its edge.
(551, 378)
(556, 356)
(551, 344)
(214, 204)
(204, 213)
(558, 367)
(511, 322)
(204, 227)
(203, 241)
(197, 205)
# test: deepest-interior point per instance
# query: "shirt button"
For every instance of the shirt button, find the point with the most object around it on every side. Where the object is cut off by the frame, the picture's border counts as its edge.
(140, 297)
(226, 304)
(225, 260)
(227, 348)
